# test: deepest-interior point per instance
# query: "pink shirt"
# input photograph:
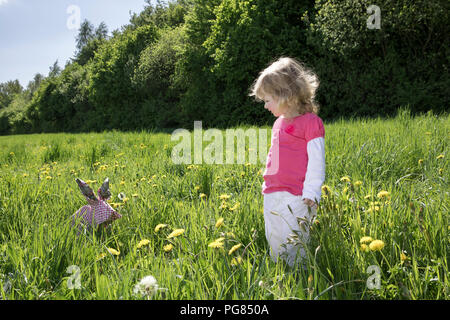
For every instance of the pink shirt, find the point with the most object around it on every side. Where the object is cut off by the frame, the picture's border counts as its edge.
(290, 137)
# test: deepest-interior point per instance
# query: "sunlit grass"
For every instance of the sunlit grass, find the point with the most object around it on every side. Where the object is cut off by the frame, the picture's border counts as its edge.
(385, 179)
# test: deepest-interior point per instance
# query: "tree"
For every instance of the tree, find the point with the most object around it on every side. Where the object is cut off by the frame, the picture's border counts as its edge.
(230, 41)
(55, 70)
(372, 72)
(85, 34)
(34, 84)
(162, 14)
(89, 40)
(115, 101)
(7, 92)
(102, 31)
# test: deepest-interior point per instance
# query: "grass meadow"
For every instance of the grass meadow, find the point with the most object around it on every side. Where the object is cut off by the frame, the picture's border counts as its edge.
(387, 179)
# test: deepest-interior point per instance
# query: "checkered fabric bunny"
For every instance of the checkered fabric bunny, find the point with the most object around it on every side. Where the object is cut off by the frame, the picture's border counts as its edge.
(98, 212)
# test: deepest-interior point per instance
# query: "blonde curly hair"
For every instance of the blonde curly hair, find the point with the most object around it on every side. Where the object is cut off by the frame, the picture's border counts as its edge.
(291, 83)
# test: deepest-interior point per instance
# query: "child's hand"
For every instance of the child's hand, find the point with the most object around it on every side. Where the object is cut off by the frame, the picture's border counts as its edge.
(309, 203)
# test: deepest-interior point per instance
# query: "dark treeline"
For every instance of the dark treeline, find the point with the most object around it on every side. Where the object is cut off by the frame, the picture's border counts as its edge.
(180, 61)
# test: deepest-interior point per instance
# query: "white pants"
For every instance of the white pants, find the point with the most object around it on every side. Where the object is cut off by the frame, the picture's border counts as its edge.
(283, 224)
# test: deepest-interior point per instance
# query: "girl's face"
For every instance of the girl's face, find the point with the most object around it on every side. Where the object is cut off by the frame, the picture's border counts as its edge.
(271, 104)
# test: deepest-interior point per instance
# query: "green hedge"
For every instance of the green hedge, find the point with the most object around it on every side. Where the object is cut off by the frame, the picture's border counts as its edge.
(166, 73)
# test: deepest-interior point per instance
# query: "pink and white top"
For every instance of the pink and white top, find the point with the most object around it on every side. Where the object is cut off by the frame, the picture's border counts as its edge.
(296, 159)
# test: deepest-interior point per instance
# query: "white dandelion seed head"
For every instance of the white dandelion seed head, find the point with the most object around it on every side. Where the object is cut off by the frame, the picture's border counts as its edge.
(146, 287)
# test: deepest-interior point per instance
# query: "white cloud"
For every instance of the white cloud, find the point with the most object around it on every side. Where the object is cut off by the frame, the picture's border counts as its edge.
(3, 2)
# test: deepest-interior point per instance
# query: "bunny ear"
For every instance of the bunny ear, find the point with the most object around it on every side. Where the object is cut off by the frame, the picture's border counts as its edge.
(104, 192)
(86, 190)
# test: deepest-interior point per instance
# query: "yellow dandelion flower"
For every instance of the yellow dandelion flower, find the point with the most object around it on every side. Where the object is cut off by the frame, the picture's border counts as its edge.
(160, 226)
(345, 179)
(223, 205)
(420, 161)
(376, 245)
(234, 248)
(142, 243)
(357, 183)
(310, 280)
(403, 257)
(383, 194)
(25, 175)
(216, 245)
(219, 222)
(373, 208)
(326, 189)
(235, 261)
(135, 195)
(113, 251)
(11, 153)
(175, 233)
(224, 197)
(48, 178)
(441, 170)
(122, 183)
(441, 156)
(168, 247)
(236, 205)
(202, 195)
(196, 188)
(365, 240)
(100, 256)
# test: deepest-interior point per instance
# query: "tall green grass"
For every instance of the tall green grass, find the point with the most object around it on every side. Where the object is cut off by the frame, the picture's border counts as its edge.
(407, 157)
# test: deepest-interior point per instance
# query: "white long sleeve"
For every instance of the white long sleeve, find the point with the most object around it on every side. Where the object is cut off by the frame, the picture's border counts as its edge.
(315, 172)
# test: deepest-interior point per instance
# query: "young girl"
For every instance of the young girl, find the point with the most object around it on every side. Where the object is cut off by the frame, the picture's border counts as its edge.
(295, 168)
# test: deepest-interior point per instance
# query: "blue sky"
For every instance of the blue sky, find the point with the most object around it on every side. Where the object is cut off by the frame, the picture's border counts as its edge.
(36, 33)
